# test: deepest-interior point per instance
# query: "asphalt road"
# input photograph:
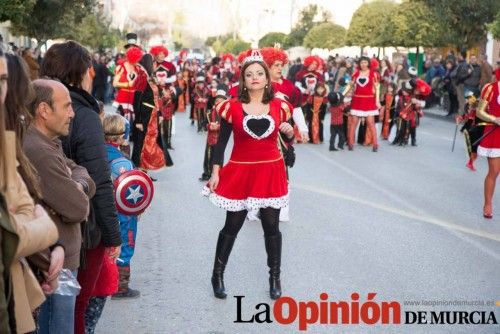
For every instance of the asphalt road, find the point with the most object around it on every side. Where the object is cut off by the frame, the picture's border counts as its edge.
(405, 223)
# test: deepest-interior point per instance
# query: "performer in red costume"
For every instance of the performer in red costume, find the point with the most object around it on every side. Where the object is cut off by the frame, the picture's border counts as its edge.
(307, 78)
(365, 101)
(255, 176)
(126, 75)
(489, 111)
(276, 59)
(165, 74)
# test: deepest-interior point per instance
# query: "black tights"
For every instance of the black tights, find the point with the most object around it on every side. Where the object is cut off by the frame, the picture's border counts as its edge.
(269, 217)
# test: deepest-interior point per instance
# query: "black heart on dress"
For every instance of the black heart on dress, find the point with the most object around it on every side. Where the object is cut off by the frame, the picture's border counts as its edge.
(362, 81)
(258, 126)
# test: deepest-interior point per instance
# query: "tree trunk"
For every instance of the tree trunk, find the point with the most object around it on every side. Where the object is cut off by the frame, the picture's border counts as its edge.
(361, 52)
(378, 53)
(417, 59)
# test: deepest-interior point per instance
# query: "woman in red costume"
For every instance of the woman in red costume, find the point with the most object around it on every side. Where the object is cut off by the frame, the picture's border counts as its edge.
(255, 176)
(275, 59)
(365, 101)
(124, 80)
(489, 110)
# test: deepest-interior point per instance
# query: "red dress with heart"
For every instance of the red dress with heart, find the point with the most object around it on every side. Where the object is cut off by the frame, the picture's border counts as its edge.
(490, 145)
(255, 176)
(363, 101)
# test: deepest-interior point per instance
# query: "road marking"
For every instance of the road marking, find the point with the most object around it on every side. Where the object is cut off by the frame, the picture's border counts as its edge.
(396, 211)
(363, 179)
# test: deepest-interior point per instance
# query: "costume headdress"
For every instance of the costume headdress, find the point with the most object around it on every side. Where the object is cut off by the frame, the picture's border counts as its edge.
(156, 50)
(273, 54)
(253, 55)
(134, 54)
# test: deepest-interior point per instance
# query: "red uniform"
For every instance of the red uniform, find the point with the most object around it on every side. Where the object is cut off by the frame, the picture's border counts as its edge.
(490, 145)
(255, 176)
(363, 101)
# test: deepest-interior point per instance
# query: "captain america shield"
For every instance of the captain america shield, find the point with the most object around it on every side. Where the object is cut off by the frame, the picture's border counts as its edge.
(134, 192)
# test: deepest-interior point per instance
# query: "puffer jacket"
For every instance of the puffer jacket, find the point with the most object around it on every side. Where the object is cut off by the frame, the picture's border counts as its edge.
(85, 146)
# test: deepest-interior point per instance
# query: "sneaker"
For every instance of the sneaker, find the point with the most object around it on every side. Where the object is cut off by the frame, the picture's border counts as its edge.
(127, 294)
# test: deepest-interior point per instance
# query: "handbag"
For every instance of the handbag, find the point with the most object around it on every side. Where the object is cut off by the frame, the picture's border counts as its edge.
(287, 150)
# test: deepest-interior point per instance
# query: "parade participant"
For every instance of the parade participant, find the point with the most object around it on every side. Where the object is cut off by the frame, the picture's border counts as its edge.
(213, 129)
(315, 112)
(228, 70)
(276, 59)
(255, 176)
(388, 111)
(149, 153)
(410, 110)
(307, 78)
(200, 102)
(489, 111)
(70, 62)
(165, 75)
(125, 76)
(365, 101)
(66, 189)
(337, 109)
(472, 128)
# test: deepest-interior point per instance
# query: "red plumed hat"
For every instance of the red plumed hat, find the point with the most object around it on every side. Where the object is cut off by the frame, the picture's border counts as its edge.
(157, 49)
(227, 56)
(310, 59)
(374, 64)
(423, 87)
(242, 56)
(134, 54)
(273, 54)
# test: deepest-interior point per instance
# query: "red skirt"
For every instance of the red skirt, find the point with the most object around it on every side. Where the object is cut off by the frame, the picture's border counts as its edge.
(490, 145)
(364, 106)
(251, 186)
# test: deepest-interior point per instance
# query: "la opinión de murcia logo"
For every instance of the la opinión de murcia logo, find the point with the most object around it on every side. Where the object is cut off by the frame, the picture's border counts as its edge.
(286, 311)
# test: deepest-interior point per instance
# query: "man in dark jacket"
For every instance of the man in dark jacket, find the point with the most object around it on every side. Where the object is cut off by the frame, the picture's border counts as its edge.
(471, 83)
(70, 63)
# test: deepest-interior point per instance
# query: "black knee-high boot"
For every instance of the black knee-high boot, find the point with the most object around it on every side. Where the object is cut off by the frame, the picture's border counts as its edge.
(273, 249)
(224, 246)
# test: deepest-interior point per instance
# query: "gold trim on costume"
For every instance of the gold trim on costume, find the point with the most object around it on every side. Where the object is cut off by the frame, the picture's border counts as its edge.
(483, 104)
(286, 109)
(255, 162)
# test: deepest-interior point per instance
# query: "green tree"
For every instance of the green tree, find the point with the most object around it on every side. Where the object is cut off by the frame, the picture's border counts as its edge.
(326, 35)
(463, 23)
(236, 45)
(307, 20)
(271, 38)
(50, 19)
(415, 25)
(95, 32)
(13, 9)
(495, 27)
(223, 38)
(370, 24)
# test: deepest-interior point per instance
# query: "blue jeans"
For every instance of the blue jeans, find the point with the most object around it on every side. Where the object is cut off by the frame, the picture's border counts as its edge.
(57, 314)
